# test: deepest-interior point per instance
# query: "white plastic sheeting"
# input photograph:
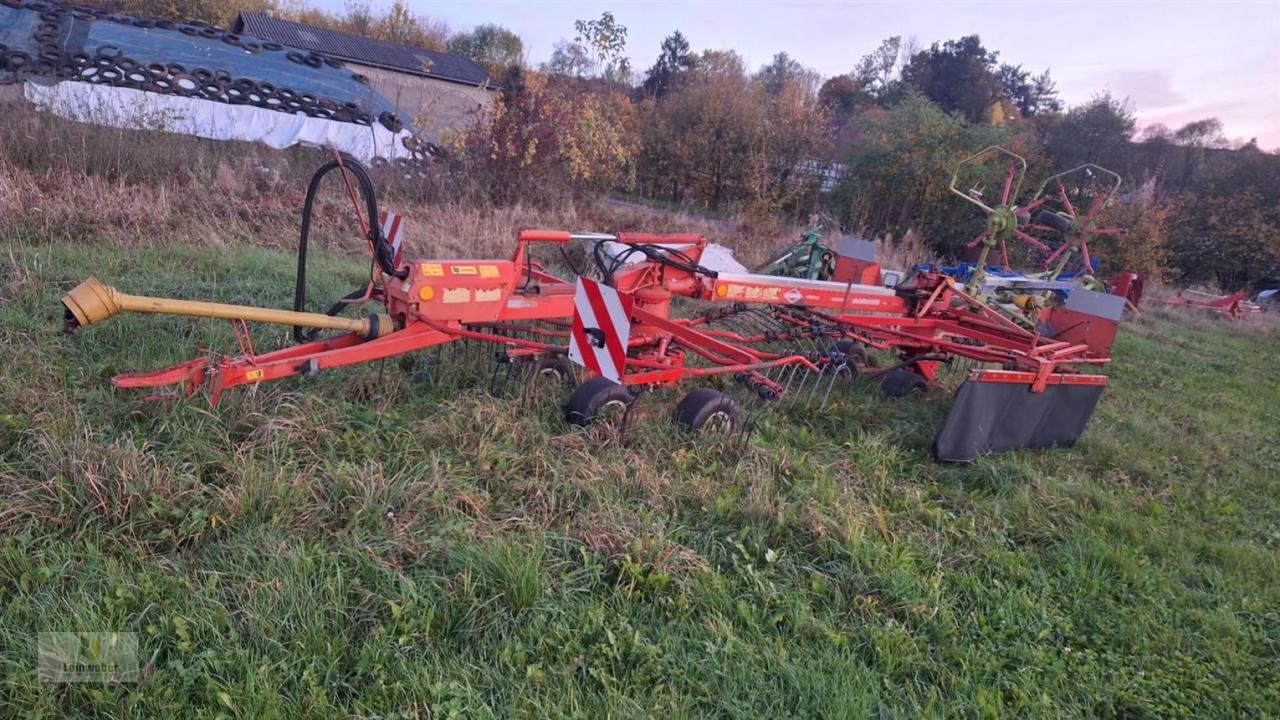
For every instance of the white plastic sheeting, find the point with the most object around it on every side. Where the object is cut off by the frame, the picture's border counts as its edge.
(714, 257)
(128, 108)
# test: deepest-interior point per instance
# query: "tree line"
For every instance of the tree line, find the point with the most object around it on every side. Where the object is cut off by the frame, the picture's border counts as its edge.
(870, 150)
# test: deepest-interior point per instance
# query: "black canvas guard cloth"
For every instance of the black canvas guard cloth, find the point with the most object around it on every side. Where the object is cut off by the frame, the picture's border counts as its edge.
(991, 417)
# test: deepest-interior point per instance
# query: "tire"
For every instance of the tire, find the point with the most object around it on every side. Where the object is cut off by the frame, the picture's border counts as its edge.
(552, 370)
(710, 410)
(184, 84)
(390, 121)
(854, 355)
(900, 382)
(1051, 219)
(592, 397)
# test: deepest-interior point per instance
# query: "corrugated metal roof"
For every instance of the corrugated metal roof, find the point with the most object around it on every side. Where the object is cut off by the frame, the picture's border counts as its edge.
(364, 50)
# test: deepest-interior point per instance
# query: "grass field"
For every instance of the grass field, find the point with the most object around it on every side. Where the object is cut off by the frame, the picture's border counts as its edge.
(366, 545)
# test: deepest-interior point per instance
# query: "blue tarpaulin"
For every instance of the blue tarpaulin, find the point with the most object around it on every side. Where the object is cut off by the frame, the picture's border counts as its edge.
(45, 42)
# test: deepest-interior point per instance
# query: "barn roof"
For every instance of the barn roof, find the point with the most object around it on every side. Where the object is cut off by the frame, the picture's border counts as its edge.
(366, 51)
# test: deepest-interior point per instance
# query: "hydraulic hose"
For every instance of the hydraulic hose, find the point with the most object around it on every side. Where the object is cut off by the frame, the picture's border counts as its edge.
(383, 254)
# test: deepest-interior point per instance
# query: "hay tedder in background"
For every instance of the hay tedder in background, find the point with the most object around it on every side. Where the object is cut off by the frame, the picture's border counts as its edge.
(1234, 306)
(1054, 228)
(650, 314)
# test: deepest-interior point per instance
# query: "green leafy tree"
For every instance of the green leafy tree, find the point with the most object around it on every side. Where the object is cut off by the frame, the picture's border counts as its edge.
(569, 59)
(877, 71)
(1226, 227)
(606, 41)
(782, 71)
(493, 46)
(958, 76)
(1032, 95)
(674, 63)
(843, 96)
(898, 169)
(1098, 131)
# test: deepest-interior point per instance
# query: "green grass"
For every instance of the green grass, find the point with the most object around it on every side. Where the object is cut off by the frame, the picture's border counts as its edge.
(355, 547)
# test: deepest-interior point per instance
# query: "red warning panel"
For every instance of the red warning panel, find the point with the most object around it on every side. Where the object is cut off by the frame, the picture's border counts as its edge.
(601, 329)
(393, 231)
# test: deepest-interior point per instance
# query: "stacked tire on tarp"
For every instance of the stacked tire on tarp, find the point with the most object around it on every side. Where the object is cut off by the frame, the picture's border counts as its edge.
(108, 65)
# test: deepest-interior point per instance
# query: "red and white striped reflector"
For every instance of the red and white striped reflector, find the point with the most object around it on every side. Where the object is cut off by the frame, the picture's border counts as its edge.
(393, 231)
(601, 329)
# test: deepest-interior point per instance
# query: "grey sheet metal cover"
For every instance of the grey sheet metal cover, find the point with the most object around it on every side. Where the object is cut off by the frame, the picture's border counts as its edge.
(1091, 302)
(852, 246)
(992, 417)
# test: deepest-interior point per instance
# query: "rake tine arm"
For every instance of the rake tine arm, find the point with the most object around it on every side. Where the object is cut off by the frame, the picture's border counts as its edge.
(1035, 203)
(1032, 241)
(415, 337)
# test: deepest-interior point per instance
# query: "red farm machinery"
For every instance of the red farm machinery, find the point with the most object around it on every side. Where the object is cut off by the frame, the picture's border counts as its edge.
(649, 314)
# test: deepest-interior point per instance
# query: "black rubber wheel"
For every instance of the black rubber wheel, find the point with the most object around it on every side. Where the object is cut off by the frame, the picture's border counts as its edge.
(710, 410)
(390, 121)
(593, 397)
(901, 382)
(1048, 218)
(184, 84)
(553, 370)
(855, 355)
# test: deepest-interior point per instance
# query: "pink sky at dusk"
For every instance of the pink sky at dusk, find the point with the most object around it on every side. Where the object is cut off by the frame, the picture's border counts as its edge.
(1175, 61)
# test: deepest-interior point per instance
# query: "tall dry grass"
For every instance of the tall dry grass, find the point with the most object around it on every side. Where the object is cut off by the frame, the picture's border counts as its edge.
(68, 182)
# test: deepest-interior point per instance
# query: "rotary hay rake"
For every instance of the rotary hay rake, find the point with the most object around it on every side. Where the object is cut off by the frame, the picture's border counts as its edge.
(513, 304)
(777, 337)
(781, 336)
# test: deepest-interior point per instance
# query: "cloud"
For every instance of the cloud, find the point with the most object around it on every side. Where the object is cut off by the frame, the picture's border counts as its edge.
(1148, 89)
